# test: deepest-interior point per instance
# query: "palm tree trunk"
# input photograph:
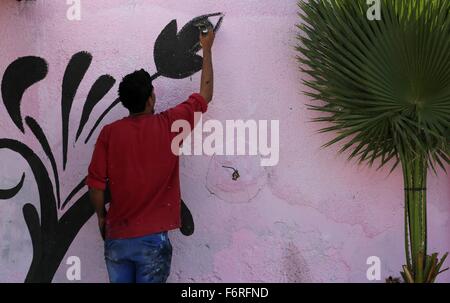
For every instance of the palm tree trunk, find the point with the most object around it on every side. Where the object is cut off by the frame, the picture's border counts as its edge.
(415, 180)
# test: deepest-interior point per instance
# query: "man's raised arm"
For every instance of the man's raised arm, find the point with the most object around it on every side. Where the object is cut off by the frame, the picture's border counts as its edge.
(207, 81)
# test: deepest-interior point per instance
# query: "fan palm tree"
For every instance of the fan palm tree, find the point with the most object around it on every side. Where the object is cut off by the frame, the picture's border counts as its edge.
(384, 85)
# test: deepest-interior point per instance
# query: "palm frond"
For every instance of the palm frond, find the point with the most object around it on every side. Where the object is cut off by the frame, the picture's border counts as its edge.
(385, 85)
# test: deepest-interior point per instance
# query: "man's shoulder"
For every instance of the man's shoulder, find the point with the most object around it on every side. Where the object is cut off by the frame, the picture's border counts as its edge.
(115, 124)
(106, 129)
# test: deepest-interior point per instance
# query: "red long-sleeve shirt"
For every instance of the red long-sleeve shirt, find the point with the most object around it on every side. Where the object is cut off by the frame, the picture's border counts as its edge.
(134, 155)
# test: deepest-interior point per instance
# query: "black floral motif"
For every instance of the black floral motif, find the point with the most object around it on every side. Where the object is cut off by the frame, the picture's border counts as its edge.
(175, 57)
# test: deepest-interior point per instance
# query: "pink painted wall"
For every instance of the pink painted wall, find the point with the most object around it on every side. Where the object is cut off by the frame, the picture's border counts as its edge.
(312, 218)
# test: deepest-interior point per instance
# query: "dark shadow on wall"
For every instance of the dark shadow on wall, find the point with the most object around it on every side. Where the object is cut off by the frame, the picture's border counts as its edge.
(175, 55)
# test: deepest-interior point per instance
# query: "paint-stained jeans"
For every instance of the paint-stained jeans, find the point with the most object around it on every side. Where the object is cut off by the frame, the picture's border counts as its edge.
(139, 260)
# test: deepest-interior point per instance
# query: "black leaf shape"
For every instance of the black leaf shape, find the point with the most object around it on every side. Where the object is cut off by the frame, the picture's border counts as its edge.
(74, 74)
(40, 136)
(187, 221)
(99, 120)
(175, 53)
(18, 77)
(75, 191)
(100, 88)
(6, 194)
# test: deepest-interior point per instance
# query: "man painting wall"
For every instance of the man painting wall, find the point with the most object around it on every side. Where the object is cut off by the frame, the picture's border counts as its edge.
(133, 155)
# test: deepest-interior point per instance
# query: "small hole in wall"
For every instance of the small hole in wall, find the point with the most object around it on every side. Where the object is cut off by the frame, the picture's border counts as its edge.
(235, 176)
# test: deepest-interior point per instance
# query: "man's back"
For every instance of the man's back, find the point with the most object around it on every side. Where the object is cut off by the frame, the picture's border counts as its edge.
(134, 155)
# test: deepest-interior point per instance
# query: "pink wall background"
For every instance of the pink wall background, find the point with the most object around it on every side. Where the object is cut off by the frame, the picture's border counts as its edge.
(312, 218)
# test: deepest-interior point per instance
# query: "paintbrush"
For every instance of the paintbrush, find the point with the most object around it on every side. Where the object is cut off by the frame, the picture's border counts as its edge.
(204, 26)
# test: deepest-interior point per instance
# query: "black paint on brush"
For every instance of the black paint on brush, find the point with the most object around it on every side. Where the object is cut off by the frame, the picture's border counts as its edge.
(74, 74)
(18, 77)
(98, 91)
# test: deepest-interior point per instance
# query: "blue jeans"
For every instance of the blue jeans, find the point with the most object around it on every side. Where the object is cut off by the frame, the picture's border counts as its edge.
(139, 260)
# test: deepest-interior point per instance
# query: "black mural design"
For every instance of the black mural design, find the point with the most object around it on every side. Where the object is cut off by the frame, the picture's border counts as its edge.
(75, 72)
(9, 193)
(175, 56)
(100, 88)
(18, 77)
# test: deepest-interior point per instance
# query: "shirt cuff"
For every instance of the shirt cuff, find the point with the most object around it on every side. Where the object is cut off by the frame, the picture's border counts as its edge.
(96, 184)
(199, 98)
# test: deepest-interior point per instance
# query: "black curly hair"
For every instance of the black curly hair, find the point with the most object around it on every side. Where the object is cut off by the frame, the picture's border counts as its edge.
(134, 91)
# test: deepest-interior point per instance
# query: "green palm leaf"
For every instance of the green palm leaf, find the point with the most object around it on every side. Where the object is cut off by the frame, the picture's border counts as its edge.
(384, 88)
(385, 84)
